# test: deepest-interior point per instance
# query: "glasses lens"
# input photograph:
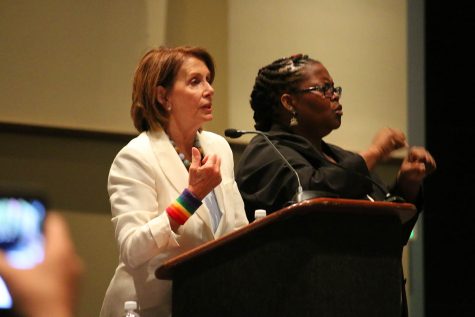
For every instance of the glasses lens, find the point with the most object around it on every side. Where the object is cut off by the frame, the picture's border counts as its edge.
(328, 90)
(338, 90)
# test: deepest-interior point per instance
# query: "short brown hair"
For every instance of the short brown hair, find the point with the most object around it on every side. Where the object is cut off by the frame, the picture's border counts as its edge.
(159, 67)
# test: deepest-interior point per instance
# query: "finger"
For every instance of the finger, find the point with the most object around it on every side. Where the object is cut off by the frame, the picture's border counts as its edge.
(430, 159)
(399, 143)
(211, 160)
(195, 158)
(217, 164)
(400, 139)
(414, 154)
(6, 270)
(57, 235)
(430, 164)
(217, 168)
(419, 154)
(433, 163)
(59, 245)
(3, 263)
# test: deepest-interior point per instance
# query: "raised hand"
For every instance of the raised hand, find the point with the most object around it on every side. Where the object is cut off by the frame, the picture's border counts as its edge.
(416, 166)
(388, 140)
(384, 143)
(204, 175)
(51, 287)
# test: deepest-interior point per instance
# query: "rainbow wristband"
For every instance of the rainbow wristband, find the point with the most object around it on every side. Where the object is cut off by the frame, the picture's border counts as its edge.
(183, 207)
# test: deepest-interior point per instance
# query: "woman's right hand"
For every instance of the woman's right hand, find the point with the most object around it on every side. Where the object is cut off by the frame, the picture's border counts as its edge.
(204, 175)
(388, 140)
(384, 143)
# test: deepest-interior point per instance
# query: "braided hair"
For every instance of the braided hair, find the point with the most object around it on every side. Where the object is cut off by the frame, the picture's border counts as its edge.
(282, 75)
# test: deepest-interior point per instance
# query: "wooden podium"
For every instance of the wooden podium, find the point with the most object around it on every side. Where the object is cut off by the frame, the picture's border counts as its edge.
(322, 257)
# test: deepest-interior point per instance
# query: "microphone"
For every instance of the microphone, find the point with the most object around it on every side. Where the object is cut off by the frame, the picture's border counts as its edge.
(234, 134)
(300, 195)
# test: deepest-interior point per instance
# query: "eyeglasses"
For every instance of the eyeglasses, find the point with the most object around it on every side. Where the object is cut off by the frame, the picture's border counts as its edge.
(327, 90)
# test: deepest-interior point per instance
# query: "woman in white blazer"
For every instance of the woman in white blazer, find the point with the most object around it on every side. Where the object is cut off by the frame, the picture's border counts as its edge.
(171, 188)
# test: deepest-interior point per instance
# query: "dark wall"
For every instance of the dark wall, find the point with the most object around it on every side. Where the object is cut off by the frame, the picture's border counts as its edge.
(70, 166)
(449, 222)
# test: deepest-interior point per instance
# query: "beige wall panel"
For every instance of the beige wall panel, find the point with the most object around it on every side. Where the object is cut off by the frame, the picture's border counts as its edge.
(204, 23)
(362, 43)
(70, 63)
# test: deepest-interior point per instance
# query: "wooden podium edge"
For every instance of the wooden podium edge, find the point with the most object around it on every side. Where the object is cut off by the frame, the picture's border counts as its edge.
(404, 211)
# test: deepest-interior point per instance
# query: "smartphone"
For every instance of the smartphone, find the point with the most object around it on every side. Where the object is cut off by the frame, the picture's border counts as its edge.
(22, 215)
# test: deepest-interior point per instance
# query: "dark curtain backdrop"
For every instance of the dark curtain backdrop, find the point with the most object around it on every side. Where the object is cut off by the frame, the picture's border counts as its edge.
(449, 222)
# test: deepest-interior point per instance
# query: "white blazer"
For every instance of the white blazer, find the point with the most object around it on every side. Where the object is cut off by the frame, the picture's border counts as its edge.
(145, 177)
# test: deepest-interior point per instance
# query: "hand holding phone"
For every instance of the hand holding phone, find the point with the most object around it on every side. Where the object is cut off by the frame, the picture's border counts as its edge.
(38, 261)
(51, 286)
(21, 234)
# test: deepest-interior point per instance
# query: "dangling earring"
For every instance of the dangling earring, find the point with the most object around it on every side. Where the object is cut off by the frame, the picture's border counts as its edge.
(293, 120)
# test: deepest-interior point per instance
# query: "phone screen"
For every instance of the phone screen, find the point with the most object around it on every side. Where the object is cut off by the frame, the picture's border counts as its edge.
(21, 235)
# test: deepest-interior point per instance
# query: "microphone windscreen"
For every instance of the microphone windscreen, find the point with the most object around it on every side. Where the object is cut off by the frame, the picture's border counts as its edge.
(232, 133)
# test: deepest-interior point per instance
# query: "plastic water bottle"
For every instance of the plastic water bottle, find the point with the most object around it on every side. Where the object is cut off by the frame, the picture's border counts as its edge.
(130, 308)
(259, 214)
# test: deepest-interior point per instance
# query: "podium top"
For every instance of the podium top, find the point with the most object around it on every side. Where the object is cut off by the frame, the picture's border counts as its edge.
(404, 211)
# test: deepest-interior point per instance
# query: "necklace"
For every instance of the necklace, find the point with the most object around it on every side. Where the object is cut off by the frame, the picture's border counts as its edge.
(186, 162)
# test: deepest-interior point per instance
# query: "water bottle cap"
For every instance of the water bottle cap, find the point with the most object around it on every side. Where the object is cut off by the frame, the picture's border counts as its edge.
(130, 305)
(259, 213)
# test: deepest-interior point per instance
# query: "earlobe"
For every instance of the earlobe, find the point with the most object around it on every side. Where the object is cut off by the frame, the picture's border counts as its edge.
(288, 103)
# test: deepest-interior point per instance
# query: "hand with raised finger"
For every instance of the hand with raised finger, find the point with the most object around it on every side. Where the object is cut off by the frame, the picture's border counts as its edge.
(204, 175)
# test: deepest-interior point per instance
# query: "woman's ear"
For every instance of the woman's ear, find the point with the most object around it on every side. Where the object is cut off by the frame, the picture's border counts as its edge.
(287, 102)
(161, 95)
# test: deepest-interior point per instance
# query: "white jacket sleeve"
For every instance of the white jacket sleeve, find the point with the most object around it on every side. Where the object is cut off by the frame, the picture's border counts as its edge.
(141, 229)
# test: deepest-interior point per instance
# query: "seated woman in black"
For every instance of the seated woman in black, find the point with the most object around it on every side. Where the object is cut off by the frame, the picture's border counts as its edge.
(296, 103)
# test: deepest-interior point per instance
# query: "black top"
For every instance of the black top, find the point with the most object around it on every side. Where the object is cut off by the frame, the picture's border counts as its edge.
(266, 182)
